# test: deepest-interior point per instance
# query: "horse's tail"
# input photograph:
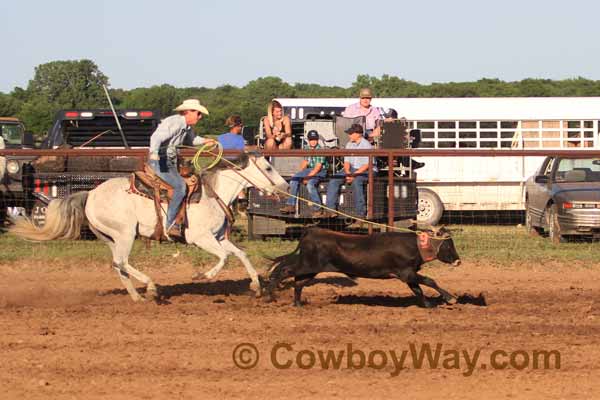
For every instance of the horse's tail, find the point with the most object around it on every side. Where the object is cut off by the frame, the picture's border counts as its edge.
(64, 218)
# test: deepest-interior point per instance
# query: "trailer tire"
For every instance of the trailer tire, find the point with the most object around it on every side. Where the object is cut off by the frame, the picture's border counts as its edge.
(430, 208)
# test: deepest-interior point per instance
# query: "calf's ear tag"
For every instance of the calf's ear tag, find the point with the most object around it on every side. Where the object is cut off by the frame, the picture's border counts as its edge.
(424, 240)
(425, 247)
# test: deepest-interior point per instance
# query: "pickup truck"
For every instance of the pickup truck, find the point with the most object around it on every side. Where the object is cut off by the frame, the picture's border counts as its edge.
(13, 169)
(52, 177)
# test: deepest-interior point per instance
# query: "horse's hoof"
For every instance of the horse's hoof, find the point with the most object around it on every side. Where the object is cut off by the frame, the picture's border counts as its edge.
(256, 289)
(451, 300)
(200, 276)
(152, 293)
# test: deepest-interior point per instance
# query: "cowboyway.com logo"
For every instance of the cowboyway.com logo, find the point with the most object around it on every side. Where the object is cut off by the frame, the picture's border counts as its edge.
(416, 356)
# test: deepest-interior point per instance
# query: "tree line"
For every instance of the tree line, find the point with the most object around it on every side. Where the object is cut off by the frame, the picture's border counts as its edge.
(78, 84)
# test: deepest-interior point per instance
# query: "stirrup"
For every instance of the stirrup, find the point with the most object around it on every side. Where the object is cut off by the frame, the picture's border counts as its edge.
(179, 234)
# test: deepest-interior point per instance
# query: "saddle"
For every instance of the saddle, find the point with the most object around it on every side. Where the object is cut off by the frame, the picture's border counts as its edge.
(149, 185)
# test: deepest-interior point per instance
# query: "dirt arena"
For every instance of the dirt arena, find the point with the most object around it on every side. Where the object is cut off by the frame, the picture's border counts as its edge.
(73, 332)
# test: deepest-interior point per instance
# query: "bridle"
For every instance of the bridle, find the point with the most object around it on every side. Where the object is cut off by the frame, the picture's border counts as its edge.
(226, 209)
(253, 160)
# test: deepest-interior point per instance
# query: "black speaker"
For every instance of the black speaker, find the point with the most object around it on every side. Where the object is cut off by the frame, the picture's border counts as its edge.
(249, 135)
(394, 135)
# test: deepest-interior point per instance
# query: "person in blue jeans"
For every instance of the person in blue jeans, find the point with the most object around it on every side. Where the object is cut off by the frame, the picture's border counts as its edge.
(355, 173)
(170, 133)
(312, 170)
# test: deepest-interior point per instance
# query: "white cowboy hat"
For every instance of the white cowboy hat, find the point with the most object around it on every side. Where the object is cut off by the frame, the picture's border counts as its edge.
(192, 104)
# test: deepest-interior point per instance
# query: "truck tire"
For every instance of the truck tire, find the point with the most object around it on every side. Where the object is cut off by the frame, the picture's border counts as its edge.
(430, 208)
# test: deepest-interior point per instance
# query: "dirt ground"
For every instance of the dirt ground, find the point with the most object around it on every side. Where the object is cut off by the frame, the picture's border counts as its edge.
(73, 332)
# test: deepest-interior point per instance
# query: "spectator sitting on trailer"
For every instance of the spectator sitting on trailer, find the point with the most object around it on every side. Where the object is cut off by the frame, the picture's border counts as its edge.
(278, 127)
(390, 115)
(373, 115)
(312, 170)
(354, 173)
(232, 140)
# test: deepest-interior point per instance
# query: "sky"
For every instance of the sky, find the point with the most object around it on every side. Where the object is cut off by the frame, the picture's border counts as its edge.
(211, 43)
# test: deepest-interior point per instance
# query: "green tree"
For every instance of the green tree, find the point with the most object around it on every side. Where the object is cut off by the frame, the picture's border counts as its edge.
(62, 84)
(163, 98)
(9, 106)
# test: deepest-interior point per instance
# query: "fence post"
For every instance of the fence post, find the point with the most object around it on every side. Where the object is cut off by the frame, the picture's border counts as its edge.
(391, 198)
(370, 195)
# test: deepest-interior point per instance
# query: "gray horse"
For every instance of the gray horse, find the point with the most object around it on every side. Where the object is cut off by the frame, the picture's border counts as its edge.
(117, 216)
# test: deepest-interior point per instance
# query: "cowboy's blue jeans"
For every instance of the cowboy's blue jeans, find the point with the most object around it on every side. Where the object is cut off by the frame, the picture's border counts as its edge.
(333, 192)
(167, 171)
(311, 186)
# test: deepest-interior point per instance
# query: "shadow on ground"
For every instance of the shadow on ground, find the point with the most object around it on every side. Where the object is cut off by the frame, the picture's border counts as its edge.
(227, 287)
(392, 301)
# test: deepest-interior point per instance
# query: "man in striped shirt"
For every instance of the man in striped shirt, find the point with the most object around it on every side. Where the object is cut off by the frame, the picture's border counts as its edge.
(312, 170)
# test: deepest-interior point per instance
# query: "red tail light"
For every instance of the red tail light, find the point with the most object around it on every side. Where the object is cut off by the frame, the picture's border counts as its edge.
(71, 114)
(146, 114)
(566, 205)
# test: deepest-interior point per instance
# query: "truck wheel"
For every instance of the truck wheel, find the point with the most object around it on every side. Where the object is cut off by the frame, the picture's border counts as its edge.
(251, 234)
(554, 232)
(430, 208)
(38, 213)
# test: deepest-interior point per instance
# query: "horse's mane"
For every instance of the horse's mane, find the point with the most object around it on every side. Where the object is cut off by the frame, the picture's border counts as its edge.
(209, 177)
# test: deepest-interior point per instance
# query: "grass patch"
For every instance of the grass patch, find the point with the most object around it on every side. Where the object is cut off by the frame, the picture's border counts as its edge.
(13, 249)
(504, 245)
(509, 244)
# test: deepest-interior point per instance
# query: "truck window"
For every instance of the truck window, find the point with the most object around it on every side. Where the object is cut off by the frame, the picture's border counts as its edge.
(11, 133)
